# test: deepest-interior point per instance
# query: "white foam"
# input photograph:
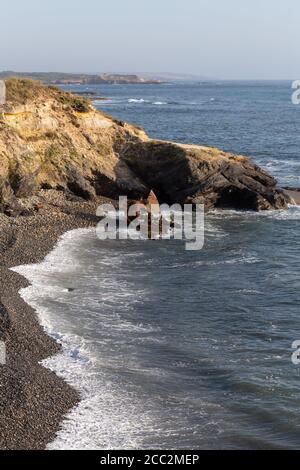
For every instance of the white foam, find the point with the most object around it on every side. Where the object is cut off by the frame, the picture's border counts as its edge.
(238, 260)
(136, 100)
(101, 102)
(241, 260)
(107, 417)
(292, 213)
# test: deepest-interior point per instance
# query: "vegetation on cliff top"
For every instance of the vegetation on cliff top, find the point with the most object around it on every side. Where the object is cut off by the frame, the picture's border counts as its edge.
(20, 91)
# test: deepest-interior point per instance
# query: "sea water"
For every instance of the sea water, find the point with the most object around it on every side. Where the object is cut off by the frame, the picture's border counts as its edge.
(178, 349)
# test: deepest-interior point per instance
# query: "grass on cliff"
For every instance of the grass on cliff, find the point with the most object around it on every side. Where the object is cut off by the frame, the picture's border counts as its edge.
(77, 103)
(22, 90)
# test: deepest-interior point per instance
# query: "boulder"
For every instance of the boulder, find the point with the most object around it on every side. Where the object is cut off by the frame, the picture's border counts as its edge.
(9, 203)
(26, 185)
(193, 174)
(119, 180)
(78, 185)
(293, 194)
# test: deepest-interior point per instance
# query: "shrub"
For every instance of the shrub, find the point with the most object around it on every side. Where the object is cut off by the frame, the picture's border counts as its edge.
(21, 90)
(77, 103)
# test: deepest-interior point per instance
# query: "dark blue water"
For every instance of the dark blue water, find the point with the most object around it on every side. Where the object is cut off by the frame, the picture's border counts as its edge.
(178, 349)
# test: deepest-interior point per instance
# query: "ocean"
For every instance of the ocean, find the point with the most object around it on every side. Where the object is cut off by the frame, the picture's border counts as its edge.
(177, 349)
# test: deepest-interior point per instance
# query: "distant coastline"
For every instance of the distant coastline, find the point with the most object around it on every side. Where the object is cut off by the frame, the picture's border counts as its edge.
(57, 78)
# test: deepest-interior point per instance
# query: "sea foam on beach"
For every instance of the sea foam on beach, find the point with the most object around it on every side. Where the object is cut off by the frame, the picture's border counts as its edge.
(155, 338)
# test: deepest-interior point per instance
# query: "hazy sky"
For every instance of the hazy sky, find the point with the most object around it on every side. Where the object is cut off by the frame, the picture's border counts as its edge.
(215, 38)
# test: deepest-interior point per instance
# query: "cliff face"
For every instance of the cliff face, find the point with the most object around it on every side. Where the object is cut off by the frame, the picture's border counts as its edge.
(202, 175)
(50, 139)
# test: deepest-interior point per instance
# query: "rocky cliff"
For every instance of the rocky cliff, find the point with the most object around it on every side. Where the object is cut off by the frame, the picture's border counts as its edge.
(50, 139)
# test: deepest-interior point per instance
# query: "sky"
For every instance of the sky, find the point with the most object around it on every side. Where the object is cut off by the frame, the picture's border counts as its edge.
(222, 39)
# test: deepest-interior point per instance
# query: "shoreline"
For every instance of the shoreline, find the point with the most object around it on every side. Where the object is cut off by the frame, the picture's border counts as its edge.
(33, 399)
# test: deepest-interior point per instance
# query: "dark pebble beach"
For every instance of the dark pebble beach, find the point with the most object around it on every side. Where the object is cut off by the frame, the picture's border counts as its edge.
(33, 400)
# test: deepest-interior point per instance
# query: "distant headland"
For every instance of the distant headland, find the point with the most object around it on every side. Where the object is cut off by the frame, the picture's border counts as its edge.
(57, 78)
